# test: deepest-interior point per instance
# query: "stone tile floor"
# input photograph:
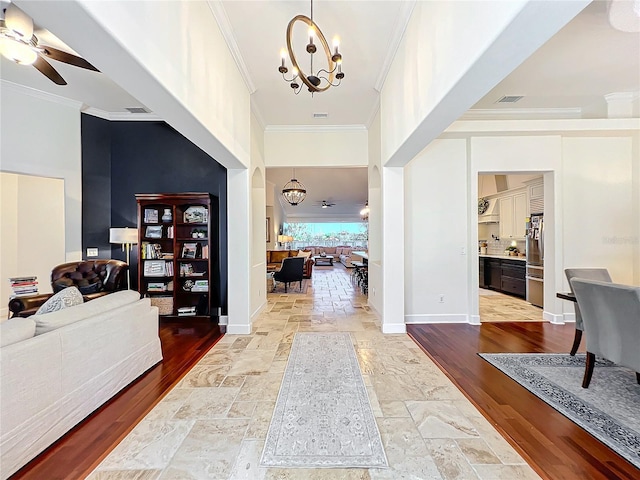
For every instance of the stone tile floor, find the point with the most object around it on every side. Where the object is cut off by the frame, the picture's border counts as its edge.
(213, 424)
(498, 307)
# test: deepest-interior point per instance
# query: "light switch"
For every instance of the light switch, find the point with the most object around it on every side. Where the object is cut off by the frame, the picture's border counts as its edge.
(92, 252)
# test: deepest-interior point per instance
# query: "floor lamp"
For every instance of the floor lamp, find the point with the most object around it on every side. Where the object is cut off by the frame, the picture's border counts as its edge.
(127, 237)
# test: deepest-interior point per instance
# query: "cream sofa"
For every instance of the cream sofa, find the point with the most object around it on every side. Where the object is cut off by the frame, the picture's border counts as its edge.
(343, 254)
(79, 358)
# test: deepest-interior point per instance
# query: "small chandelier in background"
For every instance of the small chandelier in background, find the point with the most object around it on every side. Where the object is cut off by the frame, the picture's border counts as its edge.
(364, 213)
(315, 82)
(293, 191)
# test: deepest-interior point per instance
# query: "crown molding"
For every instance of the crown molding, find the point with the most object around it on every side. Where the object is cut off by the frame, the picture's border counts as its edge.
(32, 92)
(257, 114)
(520, 113)
(220, 14)
(122, 116)
(400, 26)
(374, 111)
(314, 128)
(622, 97)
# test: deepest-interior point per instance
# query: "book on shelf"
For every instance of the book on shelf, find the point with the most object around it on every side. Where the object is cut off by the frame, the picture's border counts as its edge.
(170, 231)
(151, 251)
(156, 287)
(196, 214)
(205, 251)
(150, 215)
(158, 268)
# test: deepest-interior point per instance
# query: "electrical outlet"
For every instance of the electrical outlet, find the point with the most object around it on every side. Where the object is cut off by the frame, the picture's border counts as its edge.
(441, 300)
(92, 252)
(463, 251)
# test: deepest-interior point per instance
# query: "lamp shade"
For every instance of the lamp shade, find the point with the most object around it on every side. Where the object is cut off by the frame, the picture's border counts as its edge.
(123, 235)
(282, 238)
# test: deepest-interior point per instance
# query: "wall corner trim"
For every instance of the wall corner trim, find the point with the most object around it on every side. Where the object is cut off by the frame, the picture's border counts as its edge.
(394, 328)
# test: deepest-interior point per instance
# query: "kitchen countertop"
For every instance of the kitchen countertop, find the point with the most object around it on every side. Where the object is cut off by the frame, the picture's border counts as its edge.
(503, 257)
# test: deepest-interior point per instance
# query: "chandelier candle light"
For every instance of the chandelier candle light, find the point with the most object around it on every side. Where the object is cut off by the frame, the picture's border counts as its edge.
(314, 82)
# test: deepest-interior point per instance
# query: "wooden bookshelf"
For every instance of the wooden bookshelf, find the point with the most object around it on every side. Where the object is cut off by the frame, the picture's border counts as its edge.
(177, 245)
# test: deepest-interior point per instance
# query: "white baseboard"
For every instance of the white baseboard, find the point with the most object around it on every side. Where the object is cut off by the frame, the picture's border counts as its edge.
(223, 320)
(239, 329)
(474, 320)
(258, 311)
(556, 319)
(437, 318)
(570, 318)
(394, 328)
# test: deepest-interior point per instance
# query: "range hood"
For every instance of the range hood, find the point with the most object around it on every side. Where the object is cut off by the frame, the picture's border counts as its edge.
(492, 214)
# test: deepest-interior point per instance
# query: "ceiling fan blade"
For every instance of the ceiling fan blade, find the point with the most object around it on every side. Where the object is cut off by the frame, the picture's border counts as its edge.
(48, 71)
(65, 57)
(18, 21)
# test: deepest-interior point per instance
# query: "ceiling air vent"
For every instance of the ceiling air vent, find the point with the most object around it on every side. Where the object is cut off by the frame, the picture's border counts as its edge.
(137, 110)
(510, 99)
(320, 115)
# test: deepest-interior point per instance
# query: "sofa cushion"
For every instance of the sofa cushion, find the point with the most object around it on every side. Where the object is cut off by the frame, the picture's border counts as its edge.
(15, 330)
(302, 253)
(67, 297)
(52, 321)
(278, 255)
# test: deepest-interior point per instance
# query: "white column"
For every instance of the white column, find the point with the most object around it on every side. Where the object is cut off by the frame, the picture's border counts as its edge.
(393, 250)
(238, 227)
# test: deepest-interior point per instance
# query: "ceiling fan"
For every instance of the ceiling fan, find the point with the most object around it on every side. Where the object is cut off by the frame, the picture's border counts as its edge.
(325, 204)
(20, 45)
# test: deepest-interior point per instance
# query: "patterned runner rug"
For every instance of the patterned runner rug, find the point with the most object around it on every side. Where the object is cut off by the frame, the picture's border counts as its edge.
(323, 418)
(609, 409)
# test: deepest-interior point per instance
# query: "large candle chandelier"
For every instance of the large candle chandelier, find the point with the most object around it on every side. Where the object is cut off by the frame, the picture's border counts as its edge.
(322, 79)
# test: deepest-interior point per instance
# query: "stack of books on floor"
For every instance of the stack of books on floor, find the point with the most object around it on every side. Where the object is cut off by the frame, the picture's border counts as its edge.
(23, 286)
(187, 311)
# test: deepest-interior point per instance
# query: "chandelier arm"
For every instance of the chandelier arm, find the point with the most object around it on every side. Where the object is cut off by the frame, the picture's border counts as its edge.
(289, 80)
(325, 46)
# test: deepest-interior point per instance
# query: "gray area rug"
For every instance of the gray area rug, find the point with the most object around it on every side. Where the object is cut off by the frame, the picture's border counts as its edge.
(609, 409)
(323, 417)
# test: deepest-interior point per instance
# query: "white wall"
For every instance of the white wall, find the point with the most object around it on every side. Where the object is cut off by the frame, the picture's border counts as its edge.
(451, 55)
(598, 208)
(31, 230)
(171, 56)
(375, 217)
(54, 151)
(276, 214)
(591, 211)
(258, 296)
(338, 147)
(437, 212)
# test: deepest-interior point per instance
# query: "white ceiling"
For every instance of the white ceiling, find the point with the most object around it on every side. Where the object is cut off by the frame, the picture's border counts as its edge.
(568, 76)
(346, 187)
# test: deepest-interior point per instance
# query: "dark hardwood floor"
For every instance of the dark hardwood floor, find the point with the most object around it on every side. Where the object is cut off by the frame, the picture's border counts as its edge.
(552, 444)
(76, 454)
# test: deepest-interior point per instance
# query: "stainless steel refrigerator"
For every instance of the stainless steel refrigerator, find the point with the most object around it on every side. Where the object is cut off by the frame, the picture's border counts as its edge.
(535, 259)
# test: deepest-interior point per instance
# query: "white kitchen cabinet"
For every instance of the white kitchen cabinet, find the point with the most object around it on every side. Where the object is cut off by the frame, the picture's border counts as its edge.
(513, 215)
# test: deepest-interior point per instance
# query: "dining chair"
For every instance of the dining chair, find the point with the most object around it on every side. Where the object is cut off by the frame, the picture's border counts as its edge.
(611, 315)
(601, 274)
(292, 270)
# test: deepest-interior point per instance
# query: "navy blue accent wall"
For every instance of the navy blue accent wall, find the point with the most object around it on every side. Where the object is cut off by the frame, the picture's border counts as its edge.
(152, 157)
(96, 185)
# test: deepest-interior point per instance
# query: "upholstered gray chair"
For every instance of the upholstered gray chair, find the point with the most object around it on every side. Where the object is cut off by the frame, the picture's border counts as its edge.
(611, 315)
(600, 274)
(292, 270)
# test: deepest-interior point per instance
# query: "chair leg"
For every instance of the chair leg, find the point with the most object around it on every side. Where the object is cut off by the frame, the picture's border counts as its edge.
(286, 284)
(300, 285)
(576, 342)
(638, 377)
(588, 369)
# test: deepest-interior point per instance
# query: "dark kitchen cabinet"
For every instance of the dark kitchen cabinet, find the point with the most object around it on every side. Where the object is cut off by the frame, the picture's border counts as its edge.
(503, 275)
(494, 274)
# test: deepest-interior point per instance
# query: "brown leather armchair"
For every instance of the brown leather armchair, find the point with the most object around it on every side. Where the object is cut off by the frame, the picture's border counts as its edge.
(94, 278)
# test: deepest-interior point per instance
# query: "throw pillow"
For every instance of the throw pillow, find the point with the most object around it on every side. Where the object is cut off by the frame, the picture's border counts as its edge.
(67, 297)
(304, 254)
